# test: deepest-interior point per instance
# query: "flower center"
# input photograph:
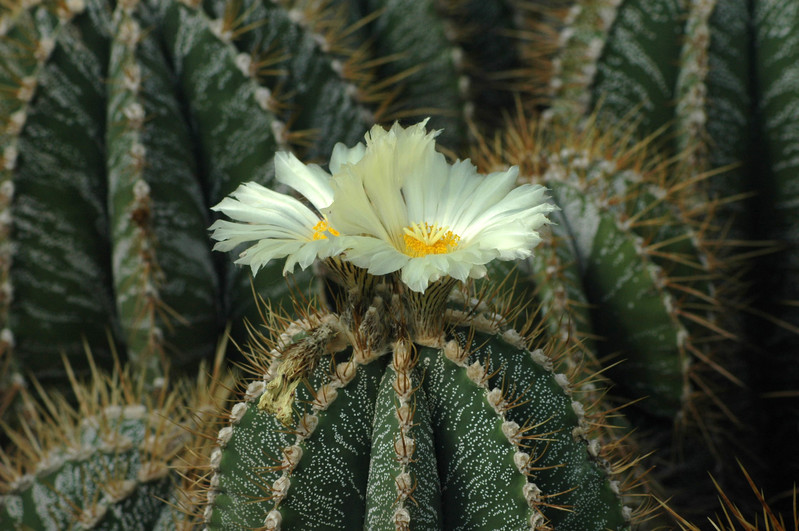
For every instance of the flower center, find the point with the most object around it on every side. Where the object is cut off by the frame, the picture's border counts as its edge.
(422, 239)
(320, 228)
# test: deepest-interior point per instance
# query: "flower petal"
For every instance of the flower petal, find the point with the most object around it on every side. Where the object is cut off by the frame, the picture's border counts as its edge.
(309, 180)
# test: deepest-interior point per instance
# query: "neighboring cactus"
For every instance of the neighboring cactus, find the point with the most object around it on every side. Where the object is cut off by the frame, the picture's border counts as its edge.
(714, 75)
(106, 463)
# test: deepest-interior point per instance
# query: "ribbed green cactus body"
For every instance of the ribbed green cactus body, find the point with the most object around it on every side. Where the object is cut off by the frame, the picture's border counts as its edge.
(105, 481)
(629, 309)
(235, 137)
(724, 58)
(437, 444)
(384, 467)
(165, 281)
(637, 70)
(424, 60)
(307, 80)
(776, 26)
(59, 273)
(329, 483)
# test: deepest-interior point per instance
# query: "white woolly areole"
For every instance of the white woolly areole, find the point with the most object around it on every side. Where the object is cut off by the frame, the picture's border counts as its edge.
(477, 373)
(307, 425)
(280, 488)
(404, 415)
(224, 436)
(404, 483)
(325, 396)
(243, 62)
(521, 460)
(402, 517)
(511, 430)
(594, 447)
(540, 358)
(255, 389)
(291, 456)
(10, 157)
(404, 447)
(496, 399)
(563, 381)
(627, 513)
(531, 493)
(238, 411)
(345, 372)
(273, 520)
(216, 458)
(513, 338)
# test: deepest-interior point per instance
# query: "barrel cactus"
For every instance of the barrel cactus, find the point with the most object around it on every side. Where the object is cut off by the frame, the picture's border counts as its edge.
(446, 433)
(109, 460)
(122, 122)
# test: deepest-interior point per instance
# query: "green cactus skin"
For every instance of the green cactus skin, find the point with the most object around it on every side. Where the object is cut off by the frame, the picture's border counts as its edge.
(312, 82)
(437, 437)
(108, 459)
(166, 294)
(97, 484)
(61, 284)
(775, 28)
(69, 154)
(426, 63)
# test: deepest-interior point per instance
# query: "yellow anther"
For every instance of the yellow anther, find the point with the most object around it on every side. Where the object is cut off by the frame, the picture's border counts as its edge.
(320, 228)
(424, 239)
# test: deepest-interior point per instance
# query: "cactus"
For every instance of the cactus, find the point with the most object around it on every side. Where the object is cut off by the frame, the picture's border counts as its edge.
(122, 122)
(471, 433)
(108, 461)
(724, 101)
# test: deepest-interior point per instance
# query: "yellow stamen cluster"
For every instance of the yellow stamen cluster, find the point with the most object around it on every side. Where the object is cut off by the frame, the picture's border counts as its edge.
(424, 239)
(320, 228)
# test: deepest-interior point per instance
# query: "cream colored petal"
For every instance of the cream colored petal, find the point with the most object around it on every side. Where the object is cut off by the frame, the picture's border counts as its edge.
(352, 211)
(343, 155)
(309, 180)
(377, 256)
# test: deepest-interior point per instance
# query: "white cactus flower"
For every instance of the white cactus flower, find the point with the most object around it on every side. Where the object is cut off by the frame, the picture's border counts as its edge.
(280, 225)
(399, 206)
